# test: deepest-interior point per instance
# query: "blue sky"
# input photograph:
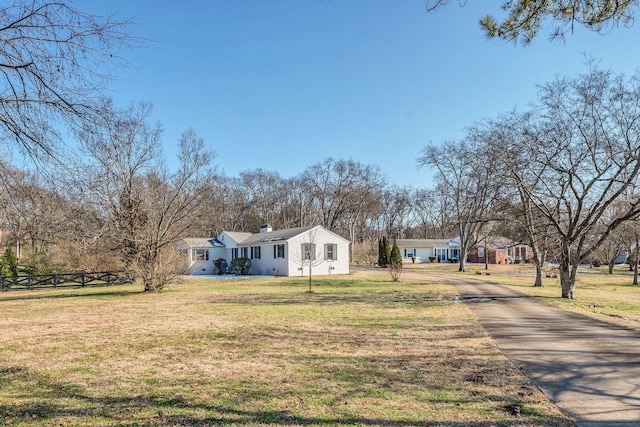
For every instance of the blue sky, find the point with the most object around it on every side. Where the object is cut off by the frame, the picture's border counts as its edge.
(283, 84)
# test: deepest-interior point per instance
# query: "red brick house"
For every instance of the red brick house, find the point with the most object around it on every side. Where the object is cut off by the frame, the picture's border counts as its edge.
(499, 250)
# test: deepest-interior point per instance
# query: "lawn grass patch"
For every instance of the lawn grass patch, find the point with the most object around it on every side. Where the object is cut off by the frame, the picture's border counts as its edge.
(607, 297)
(358, 350)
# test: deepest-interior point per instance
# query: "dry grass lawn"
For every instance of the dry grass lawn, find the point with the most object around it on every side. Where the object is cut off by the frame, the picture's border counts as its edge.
(359, 351)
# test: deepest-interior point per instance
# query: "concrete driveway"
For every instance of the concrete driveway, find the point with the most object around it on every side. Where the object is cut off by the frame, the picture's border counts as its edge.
(591, 369)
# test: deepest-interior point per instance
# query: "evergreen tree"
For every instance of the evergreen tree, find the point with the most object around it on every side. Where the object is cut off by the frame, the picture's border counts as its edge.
(9, 263)
(387, 251)
(395, 259)
(384, 252)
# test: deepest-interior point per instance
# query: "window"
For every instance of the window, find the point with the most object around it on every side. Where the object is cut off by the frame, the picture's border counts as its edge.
(200, 254)
(480, 252)
(331, 251)
(308, 251)
(255, 252)
(278, 251)
(234, 253)
(244, 252)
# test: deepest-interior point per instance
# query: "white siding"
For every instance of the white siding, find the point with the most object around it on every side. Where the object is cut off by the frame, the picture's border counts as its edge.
(206, 267)
(421, 254)
(268, 264)
(319, 236)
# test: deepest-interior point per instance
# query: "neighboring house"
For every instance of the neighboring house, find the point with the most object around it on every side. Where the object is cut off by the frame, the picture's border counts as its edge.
(519, 253)
(497, 251)
(442, 250)
(489, 255)
(289, 252)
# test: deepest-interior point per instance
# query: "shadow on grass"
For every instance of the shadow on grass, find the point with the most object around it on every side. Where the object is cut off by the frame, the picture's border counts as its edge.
(326, 296)
(38, 294)
(71, 404)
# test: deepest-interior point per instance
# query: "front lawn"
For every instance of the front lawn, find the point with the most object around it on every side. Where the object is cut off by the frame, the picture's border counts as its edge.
(359, 350)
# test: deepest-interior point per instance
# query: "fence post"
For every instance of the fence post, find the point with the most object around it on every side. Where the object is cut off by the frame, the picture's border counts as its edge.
(29, 281)
(1, 283)
(55, 280)
(83, 280)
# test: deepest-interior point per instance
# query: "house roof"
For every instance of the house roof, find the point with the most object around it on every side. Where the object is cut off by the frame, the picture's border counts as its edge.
(199, 242)
(238, 236)
(423, 243)
(242, 238)
(496, 242)
(274, 236)
(491, 242)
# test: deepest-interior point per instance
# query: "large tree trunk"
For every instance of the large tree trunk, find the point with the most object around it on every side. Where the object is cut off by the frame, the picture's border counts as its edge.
(568, 278)
(463, 256)
(461, 267)
(567, 283)
(538, 282)
(539, 258)
(568, 268)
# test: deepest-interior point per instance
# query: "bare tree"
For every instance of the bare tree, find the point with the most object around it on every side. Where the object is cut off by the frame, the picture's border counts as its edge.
(169, 202)
(395, 210)
(296, 209)
(431, 212)
(123, 148)
(148, 208)
(34, 210)
(84, 245)
(521, 219)
(616, 241)
(632, 228)
(610, 249)
(336, 187)
(261, 188)
(227, 206)
(466, 177)
(55, 59)
(581, 147)
(308, 255)
(364, 193)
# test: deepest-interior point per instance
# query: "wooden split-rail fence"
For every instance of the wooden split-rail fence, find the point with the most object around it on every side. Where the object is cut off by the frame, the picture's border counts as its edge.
(40, 281)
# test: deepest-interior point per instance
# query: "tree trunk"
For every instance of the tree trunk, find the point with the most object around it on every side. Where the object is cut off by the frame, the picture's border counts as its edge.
(463, 253)
(462, 262)
(568, 268)
(568, 285)
(538, 282)
(612, 263)
(568, 272)
(635, 265)
(539, 258)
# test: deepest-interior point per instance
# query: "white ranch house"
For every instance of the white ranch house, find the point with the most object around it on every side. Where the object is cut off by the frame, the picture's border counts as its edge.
(444, 250)
(288, 252)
